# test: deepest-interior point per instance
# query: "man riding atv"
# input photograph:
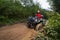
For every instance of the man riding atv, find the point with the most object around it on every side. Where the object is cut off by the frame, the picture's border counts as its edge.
(39, 15)
(36, 21)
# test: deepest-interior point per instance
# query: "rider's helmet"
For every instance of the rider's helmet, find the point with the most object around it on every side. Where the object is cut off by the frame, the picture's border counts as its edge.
(38, 11)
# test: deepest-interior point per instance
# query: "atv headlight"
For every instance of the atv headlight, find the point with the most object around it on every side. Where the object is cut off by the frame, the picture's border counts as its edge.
(36, 20)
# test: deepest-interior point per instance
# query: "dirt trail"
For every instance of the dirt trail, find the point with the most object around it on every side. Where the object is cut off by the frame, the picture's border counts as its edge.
(17, 32)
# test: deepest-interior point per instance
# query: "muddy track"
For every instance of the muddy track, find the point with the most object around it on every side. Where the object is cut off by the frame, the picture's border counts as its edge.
(17, 32)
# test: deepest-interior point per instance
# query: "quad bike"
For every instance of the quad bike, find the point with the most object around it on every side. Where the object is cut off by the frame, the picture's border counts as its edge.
(35, 23)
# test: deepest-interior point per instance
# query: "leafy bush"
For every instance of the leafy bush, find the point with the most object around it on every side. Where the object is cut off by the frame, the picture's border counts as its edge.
(52, 29)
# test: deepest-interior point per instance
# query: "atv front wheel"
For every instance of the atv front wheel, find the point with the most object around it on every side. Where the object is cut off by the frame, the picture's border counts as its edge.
(38, 26)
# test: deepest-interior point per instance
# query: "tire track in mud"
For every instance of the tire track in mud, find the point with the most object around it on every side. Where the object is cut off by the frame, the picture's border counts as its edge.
(17, 32)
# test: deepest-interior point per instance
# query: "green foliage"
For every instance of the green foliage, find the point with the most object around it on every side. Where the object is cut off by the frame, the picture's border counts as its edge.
(11, 12)
(27, 2)
(55, 5)
(53, 27)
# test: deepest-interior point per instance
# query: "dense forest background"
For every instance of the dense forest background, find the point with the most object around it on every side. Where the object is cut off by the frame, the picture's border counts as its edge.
(12, 11)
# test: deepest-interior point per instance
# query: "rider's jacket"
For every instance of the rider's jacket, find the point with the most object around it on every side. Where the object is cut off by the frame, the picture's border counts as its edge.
(39, 15)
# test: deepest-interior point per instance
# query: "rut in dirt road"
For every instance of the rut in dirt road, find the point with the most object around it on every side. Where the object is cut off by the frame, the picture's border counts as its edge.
(17, 32)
